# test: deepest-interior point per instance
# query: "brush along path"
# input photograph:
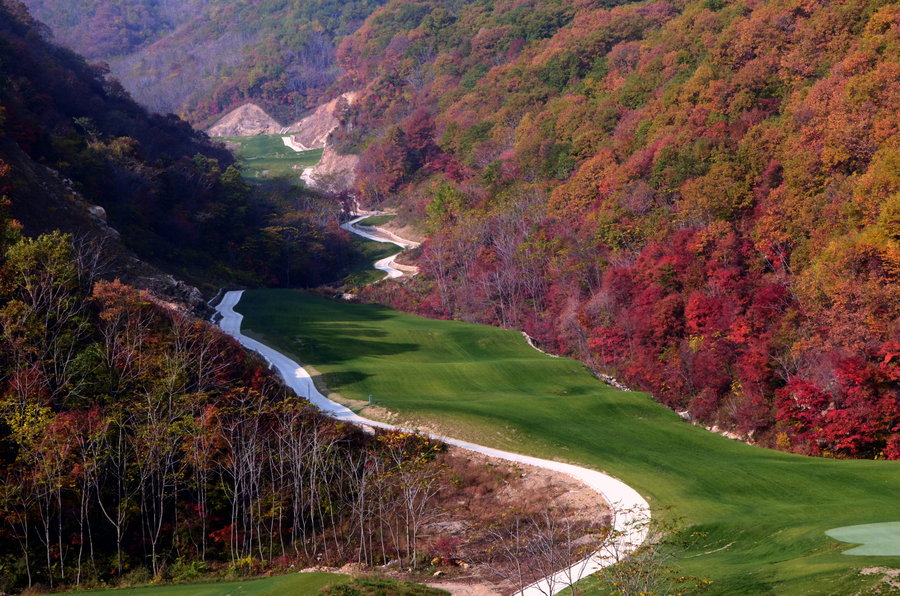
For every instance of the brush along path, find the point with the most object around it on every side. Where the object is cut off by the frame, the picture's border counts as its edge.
(388, 264)
(631, 511)
(755, 518)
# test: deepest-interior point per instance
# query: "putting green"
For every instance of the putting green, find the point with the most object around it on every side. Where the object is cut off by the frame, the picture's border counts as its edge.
(879, 540)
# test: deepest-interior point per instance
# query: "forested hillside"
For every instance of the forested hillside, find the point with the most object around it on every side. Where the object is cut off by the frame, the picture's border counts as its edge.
(200, 59)
(701, 197)
(172, 195)
(138, 442)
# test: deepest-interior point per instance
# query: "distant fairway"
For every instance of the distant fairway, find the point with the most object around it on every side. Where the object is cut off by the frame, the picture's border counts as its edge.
(377, 220)
(362, 273)
(763, 514)
(268, 153)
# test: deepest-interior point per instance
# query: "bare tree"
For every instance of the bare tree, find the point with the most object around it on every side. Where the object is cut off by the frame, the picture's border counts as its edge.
(548, 551)
(647, 568)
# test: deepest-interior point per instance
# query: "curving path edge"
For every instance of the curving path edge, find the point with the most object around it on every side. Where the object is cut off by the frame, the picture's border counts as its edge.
(631, 512)
(386, 264)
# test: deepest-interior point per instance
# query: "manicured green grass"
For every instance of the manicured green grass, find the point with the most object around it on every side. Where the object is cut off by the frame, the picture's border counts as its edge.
(874, 539)
(761, 514)
(295, 583)
(268, 153)
(377, 220)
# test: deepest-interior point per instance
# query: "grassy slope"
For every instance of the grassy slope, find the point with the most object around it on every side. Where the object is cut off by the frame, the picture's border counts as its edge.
(486, 384)
(296, 583)
(268, 152)
(377, 220)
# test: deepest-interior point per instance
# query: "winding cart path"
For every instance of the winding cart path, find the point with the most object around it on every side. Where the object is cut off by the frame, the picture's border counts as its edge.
(630, 509)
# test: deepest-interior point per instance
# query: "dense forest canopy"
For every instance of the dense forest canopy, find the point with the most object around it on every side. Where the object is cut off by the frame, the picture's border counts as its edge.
(701, 197)
(200, 59)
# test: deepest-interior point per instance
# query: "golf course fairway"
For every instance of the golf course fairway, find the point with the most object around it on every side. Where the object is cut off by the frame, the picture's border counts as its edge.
(757, 517)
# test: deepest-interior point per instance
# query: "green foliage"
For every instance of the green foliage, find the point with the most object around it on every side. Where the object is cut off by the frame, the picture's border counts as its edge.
(559, 163)
(559, 70)
(472, 76)
(445, 204)
(714, 4)
(381, 587)
(472, 136)
(536, 23)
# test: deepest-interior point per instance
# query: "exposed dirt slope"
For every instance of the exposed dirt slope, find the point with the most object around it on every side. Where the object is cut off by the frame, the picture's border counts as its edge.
(334, 172)
(312, 131)
(246, 121)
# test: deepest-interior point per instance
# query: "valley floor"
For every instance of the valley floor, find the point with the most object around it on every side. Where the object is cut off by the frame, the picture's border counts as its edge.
(755, 519)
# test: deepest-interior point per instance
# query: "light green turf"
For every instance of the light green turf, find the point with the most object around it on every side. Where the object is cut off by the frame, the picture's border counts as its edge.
(280, 585)
(875, 539)
(377, 220)
(268, 153)
(762, 514)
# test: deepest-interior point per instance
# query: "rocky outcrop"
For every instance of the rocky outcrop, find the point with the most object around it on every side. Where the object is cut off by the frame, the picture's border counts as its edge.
(246, 121)
(312, 131)
(44, 201)
(333, 173)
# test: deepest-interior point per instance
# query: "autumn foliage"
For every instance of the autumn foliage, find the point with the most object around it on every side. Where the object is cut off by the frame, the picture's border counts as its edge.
(699, 197)
(138, 441)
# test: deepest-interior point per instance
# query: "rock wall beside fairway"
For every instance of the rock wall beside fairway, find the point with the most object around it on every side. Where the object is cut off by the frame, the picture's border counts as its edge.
(312, 131)
(333, 173)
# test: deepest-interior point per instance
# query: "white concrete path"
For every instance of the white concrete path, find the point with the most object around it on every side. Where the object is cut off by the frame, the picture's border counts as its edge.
(386, 264)
(631, 511)
(290, 143)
